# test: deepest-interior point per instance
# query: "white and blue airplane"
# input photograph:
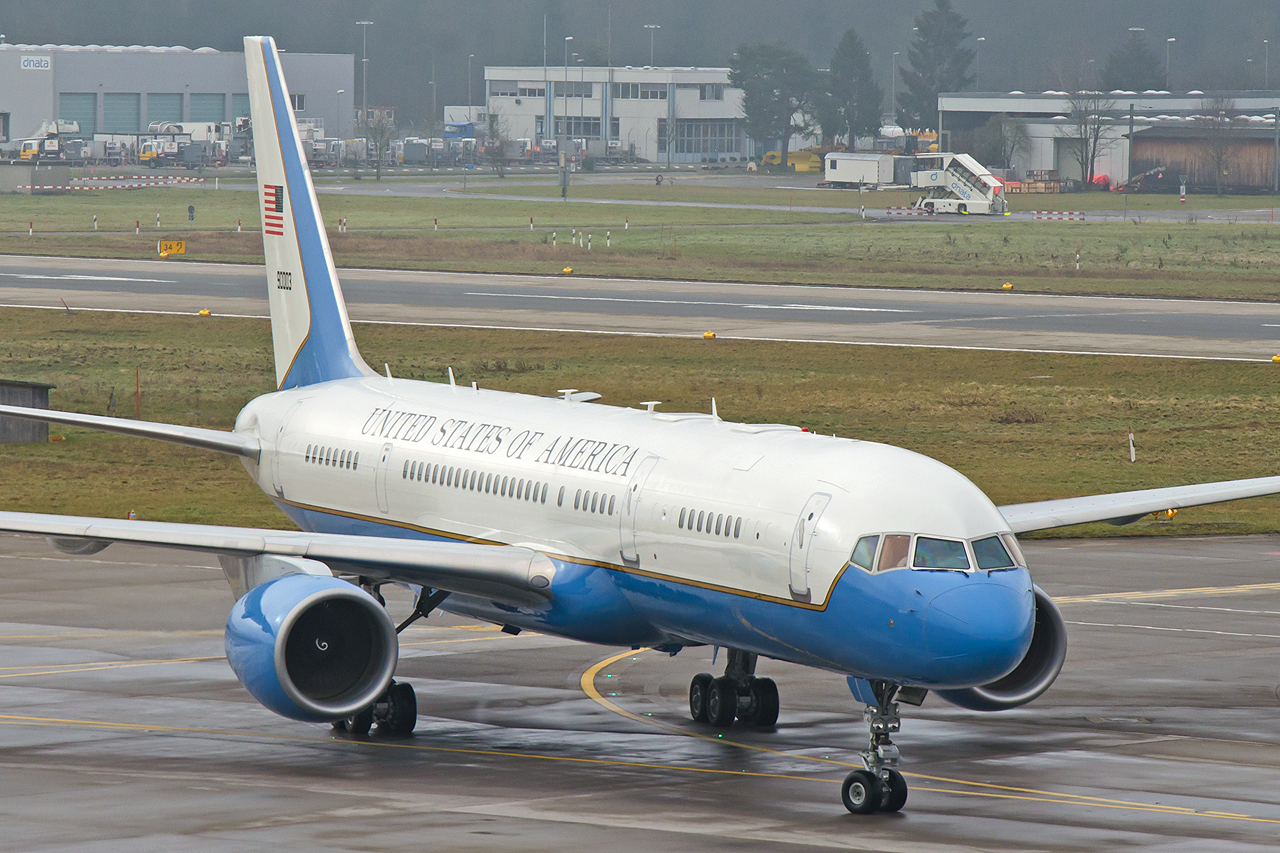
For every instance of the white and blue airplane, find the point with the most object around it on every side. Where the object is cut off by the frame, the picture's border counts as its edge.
(624, 527)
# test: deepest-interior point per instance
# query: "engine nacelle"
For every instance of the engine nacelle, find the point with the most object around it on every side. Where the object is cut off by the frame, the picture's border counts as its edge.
(311, 648)
(1032, 676)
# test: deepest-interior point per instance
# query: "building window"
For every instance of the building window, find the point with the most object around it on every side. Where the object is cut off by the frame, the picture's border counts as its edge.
(653, 92)
(626, 91)
(504, 89)
(662, 136)
(615, 128)
(297, 101)
(578, 127)
(574, 89)
(707, 136)
(711, 92)
(539, 126)
(531, 92)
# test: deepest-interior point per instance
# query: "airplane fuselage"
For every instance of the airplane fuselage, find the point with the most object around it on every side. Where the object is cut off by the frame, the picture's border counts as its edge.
(665, 529)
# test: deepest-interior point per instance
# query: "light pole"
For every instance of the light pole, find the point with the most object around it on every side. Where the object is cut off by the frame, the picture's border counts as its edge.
(364, 70)
(470, 115)
(1266, 64)
(1168, 43)
(564, 132)
(977, 74)
(337, 110)
(582, 104)
(651, 28)
(1248, 72)
(893, 87)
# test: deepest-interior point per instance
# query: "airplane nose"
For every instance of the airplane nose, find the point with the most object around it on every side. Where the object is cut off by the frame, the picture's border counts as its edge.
(983, 627)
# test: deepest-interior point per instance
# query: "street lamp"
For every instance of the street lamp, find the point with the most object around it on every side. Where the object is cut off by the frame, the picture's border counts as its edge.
(337, 109)
(977, 75)
(364, 69)
(893, 87)
(1248, 72)
(1167, 44)
(470, 116)
(651, 28)
(1266, 64)
(564, 132)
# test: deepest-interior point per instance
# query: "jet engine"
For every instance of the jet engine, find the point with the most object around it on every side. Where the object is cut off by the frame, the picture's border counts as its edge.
(311, 648)
(1032, 676)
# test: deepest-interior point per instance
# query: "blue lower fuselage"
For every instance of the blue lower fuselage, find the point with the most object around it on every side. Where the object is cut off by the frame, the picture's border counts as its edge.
(936, 629)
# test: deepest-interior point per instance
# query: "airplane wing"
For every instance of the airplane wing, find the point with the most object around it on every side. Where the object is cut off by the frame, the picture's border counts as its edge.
(1127, 507)
(208, 439)
(504, 573)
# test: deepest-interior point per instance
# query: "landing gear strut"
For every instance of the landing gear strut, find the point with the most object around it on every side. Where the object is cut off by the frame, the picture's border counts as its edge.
(879, 787)
(395, 713)
(738, 694)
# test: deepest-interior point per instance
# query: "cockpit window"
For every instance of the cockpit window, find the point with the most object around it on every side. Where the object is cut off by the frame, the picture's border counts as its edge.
(939, 554)
(1011, 545)
(991, 554)
(864, 553)
(893, 555)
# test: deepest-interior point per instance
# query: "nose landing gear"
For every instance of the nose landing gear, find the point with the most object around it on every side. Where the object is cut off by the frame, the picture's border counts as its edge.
(738, 694)
(879, 787)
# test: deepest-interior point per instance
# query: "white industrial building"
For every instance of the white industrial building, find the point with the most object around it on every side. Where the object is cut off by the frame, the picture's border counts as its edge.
(676, 115)
(1049, 144)
(121, 90)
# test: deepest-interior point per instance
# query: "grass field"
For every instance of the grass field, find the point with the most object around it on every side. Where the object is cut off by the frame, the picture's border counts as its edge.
(1023, 427)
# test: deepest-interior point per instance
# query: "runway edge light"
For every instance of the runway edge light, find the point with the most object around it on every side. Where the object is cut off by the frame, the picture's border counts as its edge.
(1008, 285)
(1276, 358)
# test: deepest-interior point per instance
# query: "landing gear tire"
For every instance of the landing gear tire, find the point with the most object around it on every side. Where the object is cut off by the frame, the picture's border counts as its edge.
(339, 725)
(862, 792)
(359, 723)
(764, 703)
(895, 792)
(698, 690)
(402, 711)
(722, 702)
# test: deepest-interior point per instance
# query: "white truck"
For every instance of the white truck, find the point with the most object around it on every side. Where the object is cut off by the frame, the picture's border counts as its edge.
(848, 171)
(957, 183)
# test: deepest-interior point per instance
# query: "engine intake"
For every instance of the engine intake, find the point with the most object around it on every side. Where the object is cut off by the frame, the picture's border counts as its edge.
(1033, 674)
(311, 648)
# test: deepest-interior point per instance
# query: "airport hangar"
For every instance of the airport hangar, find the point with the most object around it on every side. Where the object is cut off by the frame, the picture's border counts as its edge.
(121, 90)
(1164, 132)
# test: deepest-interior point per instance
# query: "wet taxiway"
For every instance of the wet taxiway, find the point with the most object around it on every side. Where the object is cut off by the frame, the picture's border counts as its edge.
(122, 728)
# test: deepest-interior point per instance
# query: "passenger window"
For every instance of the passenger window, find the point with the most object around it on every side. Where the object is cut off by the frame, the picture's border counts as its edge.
(728, 523)
(701, 515)
(612, 498)
(448, 477)
(939, 554)
(560, 497)
(681, 524)
(990, 554)
(864, 553)
(1015, 550)
(719, 522)
(595, 496)
(355, 466)
(342, 462)
(577, 499)
(404, 475)
(545, 486)
(520, 490)
(307, 457)
(893, 555)
(737, 528)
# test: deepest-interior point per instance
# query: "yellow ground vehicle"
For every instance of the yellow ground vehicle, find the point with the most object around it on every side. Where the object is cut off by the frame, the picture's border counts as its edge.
(797, 161)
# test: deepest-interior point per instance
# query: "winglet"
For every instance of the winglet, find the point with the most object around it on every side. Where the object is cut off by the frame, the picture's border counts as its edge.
(309, 326)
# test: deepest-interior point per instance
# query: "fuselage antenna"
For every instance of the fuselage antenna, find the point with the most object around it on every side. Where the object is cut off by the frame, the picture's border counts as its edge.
(387, 367)
(714, 415)
(452, 384)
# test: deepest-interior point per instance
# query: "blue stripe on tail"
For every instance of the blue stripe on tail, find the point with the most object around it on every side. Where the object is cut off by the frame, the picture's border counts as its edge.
(325, 354)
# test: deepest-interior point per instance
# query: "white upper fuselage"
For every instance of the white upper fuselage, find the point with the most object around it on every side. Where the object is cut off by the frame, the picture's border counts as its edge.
(761, 476)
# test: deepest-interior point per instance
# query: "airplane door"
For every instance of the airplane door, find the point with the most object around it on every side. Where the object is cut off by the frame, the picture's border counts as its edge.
(802, 542)
(277, 481)
(631, 512)
(380, 479)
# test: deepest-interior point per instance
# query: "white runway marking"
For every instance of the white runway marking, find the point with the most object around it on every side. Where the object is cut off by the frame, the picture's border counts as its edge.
(73, 277)
(796, 306)
(1177, 630)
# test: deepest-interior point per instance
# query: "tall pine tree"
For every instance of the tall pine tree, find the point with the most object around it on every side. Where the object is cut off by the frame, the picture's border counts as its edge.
(939, 63)
(853, 88)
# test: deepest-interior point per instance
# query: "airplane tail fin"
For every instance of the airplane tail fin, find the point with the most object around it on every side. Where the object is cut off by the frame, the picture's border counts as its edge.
(309, 326)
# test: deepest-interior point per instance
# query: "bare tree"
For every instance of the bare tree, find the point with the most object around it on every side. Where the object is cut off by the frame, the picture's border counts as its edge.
(495, 145)
(378, 134)
(1222, 137)
(1089, 125)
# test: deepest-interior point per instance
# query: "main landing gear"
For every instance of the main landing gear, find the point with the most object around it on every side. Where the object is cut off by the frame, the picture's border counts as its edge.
(737, 694)
(879, 787)
(395, 713)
